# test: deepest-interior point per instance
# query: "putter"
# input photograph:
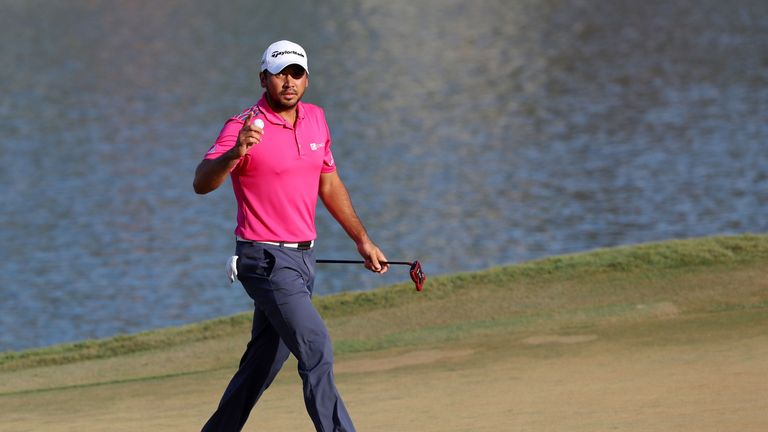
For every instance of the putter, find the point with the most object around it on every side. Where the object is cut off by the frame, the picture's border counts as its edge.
(417, 274)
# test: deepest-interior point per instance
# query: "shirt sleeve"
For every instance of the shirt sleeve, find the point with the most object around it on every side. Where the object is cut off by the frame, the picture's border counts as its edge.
(226, 140)
(329, 165)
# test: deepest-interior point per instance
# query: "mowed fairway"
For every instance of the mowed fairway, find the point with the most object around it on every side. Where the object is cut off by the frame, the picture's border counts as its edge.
(659, 337)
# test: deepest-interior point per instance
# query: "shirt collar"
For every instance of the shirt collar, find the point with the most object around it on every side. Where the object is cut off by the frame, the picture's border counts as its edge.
(274, 117)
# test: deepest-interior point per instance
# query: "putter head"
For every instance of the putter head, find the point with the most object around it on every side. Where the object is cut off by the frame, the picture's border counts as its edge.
(417, 275)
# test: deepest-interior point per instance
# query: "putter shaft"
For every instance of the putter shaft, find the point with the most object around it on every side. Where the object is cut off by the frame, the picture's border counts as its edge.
(327, 261)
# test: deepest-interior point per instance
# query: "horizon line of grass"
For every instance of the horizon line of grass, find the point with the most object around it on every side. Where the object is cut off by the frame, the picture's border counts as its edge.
(669, 254)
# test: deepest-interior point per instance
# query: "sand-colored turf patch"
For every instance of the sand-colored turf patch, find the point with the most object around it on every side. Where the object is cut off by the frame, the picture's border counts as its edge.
(555, 339)
(601, 385)
(412, 358)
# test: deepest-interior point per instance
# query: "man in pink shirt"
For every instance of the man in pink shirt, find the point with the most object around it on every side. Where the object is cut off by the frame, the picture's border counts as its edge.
(278, 155)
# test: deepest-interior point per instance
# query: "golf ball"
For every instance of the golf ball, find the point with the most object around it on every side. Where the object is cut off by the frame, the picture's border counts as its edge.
(258, 123)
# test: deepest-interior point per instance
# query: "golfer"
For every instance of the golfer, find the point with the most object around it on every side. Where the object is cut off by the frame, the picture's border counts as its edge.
(277, 173)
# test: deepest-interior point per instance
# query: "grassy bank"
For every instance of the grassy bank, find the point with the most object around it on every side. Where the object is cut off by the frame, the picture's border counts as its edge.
(655, 337)
(596, 286)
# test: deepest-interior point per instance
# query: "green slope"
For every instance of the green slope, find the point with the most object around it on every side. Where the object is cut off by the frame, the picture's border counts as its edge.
(604, 288)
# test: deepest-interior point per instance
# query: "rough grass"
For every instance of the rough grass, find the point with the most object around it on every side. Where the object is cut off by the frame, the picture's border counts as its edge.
(616, 284)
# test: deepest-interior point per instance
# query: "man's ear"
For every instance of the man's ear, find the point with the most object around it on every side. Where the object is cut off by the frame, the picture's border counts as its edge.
(263, 79)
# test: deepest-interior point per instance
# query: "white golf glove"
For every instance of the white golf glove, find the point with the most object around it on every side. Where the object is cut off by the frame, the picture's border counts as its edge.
(232, 268)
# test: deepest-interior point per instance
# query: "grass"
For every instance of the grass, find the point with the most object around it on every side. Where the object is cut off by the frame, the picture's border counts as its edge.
(652, 337)
(601, 286)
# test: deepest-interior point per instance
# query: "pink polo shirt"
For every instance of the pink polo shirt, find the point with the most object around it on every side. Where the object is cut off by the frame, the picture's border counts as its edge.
(276, 183)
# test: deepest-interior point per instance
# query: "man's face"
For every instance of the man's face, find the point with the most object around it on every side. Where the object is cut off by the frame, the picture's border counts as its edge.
(285, 88)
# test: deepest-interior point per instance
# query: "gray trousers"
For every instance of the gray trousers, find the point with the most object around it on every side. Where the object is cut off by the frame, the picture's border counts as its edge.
(280, 281)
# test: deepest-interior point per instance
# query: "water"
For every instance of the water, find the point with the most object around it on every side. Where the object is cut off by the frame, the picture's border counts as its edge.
(469, 134)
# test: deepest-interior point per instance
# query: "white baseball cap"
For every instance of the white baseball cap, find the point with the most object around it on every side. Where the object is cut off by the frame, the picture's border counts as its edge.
(281, 54)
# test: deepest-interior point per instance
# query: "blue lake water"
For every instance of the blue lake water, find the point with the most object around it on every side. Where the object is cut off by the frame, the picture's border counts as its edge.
(470, 134)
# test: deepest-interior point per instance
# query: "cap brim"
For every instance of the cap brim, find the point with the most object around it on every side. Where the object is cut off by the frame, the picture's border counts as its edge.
(275, 68)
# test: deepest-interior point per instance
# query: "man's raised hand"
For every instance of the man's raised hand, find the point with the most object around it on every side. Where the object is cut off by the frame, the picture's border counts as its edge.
(249, 135)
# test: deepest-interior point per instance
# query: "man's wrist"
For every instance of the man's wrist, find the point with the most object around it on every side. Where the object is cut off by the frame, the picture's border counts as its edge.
(363, 240)
(232, 154)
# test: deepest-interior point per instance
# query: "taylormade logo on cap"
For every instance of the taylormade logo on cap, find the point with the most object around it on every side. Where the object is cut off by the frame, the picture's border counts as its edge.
(281, 54)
